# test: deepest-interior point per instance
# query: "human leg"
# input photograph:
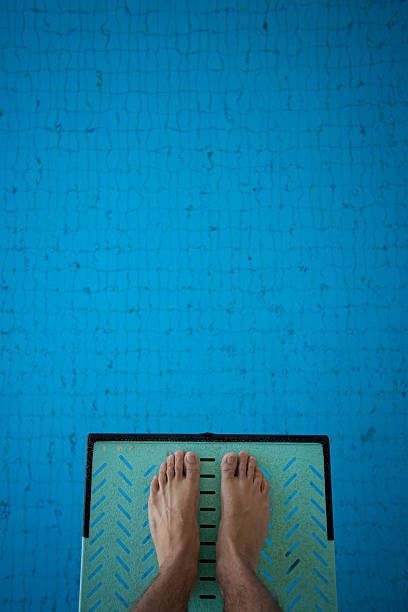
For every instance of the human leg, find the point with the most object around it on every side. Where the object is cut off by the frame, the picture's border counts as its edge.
(172, 511)
(245, 513)
(242, 590)
(171, 590)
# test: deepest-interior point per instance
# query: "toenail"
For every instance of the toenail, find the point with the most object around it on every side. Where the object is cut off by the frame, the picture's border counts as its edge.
(190, 458)
(230, 459)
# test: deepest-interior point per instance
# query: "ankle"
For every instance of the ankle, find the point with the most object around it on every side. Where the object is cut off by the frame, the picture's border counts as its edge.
(230, 561)
(241, 588)
(184, 566)
(231, 568)
(171, 590)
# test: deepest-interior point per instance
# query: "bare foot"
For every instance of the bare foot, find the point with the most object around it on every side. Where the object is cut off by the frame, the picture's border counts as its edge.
(245, 512)
(173, 508)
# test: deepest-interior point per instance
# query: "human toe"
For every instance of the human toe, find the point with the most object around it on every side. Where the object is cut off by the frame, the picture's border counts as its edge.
(191, 464)
(228, 465)
(243, 464)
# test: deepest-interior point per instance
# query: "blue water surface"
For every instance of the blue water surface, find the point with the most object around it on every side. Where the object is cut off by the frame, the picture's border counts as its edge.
(203, 228)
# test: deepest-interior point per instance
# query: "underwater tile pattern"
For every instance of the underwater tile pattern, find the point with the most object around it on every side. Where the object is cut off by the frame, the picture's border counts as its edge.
(203, 228)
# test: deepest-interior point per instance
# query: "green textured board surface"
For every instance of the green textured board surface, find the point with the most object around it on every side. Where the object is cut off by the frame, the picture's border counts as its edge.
(297, 562)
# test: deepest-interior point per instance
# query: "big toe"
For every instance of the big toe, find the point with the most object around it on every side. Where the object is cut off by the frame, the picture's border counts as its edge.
(227, 468)
(192, 464)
